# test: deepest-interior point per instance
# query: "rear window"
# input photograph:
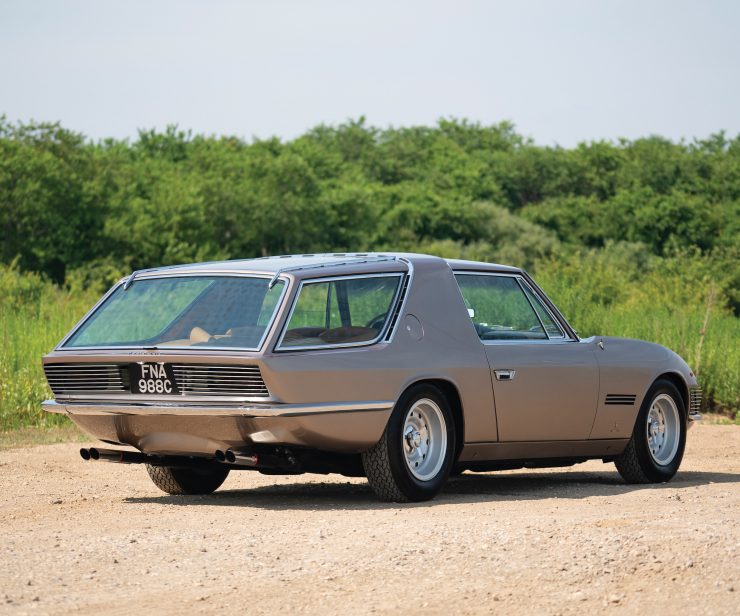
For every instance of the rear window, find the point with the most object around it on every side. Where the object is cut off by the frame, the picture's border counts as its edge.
(195, 311)
(341, 311)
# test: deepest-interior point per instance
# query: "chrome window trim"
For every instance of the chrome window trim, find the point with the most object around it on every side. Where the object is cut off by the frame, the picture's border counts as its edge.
(278, 348)
(97, 306)
(410, 273)
(523, 283)
(570, 333)
(534, 310)
(353, 261)
(519, 278)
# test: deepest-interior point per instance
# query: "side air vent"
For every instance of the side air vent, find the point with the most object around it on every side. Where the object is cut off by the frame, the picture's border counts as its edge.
(694, 400)
(620, 399)
(397, 310)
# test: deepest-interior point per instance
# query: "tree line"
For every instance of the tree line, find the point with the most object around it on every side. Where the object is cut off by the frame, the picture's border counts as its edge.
(77, 210)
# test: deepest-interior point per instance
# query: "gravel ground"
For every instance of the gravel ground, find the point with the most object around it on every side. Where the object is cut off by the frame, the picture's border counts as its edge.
(94, 537)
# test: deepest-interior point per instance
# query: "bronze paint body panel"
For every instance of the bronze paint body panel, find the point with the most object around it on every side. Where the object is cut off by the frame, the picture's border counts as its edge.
(202, 435)
(630, 367)
(324, 399)
(553, 394)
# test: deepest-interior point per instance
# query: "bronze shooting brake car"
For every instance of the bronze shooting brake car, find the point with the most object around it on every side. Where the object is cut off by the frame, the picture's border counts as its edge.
(400, 367)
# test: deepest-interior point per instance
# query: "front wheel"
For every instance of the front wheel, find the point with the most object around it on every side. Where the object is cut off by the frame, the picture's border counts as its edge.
(414, 456)
(178, 480)
(655, 450)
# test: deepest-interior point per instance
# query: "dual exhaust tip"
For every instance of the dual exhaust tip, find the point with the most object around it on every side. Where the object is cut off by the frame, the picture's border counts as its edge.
(96, 454)
(113, 455)
(234, 457)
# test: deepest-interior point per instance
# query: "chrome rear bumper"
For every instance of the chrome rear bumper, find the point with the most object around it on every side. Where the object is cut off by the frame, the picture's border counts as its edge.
(247, 410)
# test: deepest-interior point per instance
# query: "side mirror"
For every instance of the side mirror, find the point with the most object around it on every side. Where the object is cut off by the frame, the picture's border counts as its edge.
(471, 313)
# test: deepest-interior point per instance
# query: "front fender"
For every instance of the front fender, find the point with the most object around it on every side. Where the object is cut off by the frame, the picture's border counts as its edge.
(628, 368)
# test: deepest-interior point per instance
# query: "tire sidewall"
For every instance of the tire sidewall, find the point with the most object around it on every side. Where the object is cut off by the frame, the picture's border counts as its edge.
(199, 481)
(413, 488)
(654, 471)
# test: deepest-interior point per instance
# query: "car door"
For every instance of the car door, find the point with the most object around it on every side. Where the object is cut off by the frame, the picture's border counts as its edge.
(545, 383)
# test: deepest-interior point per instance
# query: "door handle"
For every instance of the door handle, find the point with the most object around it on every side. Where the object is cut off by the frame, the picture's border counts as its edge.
(505, 375)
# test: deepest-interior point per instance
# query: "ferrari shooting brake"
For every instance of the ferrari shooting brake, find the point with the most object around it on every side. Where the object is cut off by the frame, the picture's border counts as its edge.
(402, 368)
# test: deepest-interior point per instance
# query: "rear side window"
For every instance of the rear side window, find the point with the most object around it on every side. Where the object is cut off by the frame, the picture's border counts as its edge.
(499, 309)
(342, 311)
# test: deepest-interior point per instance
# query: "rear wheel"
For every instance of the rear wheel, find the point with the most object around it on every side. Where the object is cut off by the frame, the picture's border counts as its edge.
(655, 450)
(415, 454)
(177, 480)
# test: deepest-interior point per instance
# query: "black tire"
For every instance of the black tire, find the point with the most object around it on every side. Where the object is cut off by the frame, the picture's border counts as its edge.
(636, 464)
(385, 464)
(187, 480)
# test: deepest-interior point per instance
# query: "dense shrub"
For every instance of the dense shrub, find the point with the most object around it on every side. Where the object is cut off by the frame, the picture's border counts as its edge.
(637, 238)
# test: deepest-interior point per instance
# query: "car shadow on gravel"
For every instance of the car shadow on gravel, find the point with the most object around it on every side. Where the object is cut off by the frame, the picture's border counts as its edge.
(467, 488)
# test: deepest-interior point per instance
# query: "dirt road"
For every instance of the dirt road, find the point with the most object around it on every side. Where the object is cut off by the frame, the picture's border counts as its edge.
(87, 537)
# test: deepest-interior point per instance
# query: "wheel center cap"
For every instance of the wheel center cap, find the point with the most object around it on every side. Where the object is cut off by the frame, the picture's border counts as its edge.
(414, 439)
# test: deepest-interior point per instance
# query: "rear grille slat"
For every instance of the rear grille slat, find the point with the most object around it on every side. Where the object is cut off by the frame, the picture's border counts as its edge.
(216, 380)
(86, 378)
(191, 379)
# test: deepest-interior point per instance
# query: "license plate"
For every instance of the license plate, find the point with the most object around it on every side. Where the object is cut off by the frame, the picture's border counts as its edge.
(152, 379)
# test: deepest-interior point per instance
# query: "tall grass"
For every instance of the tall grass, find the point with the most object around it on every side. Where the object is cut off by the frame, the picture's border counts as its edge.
(670, 301)
(34, 316)
(673, 302)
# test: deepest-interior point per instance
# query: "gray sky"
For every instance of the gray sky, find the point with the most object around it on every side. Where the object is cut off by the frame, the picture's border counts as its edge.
(563, 71)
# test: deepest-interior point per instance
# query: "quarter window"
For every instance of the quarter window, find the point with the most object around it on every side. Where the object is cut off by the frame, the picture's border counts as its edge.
(499, 309)
(341, 311)
(552, 328)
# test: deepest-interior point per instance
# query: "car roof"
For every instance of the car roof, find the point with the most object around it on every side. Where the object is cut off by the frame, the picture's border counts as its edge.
(324, 264)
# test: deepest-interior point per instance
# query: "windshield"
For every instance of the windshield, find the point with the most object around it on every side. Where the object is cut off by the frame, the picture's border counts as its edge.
(195, 311)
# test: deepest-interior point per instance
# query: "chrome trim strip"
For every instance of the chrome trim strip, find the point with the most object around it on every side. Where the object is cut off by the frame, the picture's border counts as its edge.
(253, 410)
(277, 348)
(531, 305)
(570, 332)
(124, 397)
(353, 261)
(390, 335)
(563, 336)
(268, 327)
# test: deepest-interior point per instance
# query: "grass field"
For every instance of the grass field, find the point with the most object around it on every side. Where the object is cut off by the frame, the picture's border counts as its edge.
(682, 311)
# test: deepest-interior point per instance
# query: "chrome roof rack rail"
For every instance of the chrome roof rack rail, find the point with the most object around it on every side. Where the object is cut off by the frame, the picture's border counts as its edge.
(352, 261)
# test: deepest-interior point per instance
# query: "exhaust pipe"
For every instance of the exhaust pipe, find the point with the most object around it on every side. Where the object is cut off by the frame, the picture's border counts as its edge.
(115, 455)
(235, 457)
(136, 457)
